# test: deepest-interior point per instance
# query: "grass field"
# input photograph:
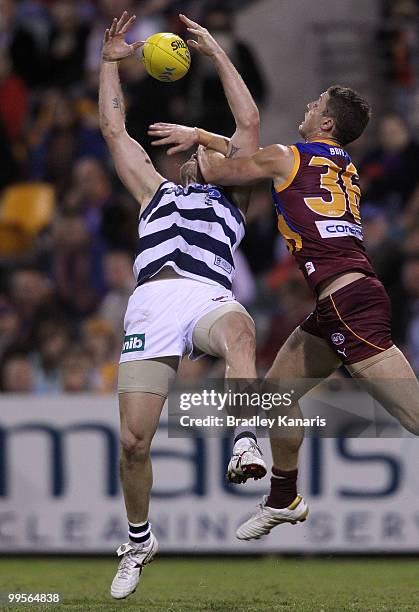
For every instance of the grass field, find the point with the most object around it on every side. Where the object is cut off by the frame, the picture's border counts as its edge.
(234, 585)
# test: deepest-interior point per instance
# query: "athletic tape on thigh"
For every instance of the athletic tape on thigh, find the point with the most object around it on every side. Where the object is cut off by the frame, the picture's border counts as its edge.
(357, 368)
(201, 332)
(146, 376)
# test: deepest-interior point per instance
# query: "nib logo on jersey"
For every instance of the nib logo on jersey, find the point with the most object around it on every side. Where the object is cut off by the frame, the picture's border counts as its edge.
(134, 342)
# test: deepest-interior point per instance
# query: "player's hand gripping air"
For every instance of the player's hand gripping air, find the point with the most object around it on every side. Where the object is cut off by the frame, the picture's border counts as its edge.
(183, 137)
(206, 44)
(114, 46)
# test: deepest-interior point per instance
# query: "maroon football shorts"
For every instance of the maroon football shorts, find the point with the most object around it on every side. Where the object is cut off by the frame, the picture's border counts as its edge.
(355, 320)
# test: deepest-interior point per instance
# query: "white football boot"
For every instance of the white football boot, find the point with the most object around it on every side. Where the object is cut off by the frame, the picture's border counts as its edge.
(131, 566)
(266, 518)
(246, 462)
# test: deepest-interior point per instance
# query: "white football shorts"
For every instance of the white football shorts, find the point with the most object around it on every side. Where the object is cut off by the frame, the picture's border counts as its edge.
(161, 316)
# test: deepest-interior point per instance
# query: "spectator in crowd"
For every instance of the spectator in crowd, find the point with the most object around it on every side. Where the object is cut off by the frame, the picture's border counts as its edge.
(120, 284)
(76, 372)
(67, 44)
(261, 230)
(206, 94)
(28, 59)
(13, 99)
(76, 266)
(62, 133)
(399, 48)
(405, 305)
(90, 193)
(8, 166)
(294, 302)
(52, 342)
(149, 21)
(389, 172)
(9, 325)
(411, 215)
(110, 219)
(382, 241)
(17, 374)
(98, 340)
(32, 296)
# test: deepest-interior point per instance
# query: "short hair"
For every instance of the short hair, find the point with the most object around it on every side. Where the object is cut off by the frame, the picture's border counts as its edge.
(350, 111)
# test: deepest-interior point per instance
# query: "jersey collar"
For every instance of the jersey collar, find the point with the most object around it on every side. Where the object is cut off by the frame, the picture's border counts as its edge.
(325, 141)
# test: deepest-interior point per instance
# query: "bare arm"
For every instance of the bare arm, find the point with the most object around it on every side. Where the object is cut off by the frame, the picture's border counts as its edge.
(275, 161)
(183, 137)
(132, 163)
(245, 140)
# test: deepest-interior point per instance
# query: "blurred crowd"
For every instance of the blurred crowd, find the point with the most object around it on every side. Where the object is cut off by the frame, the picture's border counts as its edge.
(398, 41)
(62, 303)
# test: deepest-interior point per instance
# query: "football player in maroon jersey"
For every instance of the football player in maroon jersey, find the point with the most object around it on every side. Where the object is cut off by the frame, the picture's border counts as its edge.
(316, 192)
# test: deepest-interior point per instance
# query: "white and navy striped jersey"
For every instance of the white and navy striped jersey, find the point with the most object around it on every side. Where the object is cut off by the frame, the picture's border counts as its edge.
(194, 230)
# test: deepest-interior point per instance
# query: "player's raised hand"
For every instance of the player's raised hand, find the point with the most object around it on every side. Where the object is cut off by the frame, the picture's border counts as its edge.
(114, 46)
(181, 136)
(205, 44)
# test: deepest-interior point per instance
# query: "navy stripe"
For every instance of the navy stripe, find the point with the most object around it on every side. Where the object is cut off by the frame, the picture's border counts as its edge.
(154, 200)
(133, 529)
(184, 262)
(195, 188)
(195, 214)
(224, 200)
(198, 239)
(320, 148)
(232, 208)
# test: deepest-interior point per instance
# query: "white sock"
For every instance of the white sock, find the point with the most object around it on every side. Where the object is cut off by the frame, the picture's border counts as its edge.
(139, 533)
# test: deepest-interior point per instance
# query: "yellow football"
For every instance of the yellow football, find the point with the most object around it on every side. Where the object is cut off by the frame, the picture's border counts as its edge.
(166, 57)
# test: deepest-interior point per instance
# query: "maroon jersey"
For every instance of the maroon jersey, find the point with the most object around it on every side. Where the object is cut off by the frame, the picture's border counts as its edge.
(318, 212)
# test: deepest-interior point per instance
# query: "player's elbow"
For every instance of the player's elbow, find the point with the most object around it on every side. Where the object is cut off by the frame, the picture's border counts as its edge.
(111, 132)
(250, 121)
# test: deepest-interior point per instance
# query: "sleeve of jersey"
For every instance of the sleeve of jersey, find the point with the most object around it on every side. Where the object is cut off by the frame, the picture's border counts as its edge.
(293, 173)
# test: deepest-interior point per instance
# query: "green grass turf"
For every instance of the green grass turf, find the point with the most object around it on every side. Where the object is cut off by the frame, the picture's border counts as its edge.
(242, 585)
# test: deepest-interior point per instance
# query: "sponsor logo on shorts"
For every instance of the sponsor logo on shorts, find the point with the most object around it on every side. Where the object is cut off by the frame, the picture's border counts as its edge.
(337, 229)
(222, 263)
(133, 342)
(222, 298)
(310, 267)
(338, 338)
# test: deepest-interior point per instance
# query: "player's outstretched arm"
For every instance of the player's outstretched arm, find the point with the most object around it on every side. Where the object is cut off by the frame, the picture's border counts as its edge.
(182, 137)
(245, 140)
(132, 163)
(274, 161)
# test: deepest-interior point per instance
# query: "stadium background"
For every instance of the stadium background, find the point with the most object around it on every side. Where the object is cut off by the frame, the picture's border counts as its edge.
(66, 247)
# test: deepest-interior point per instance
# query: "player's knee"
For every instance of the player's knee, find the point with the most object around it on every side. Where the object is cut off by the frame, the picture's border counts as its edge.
(135, 446)
(241, 344)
